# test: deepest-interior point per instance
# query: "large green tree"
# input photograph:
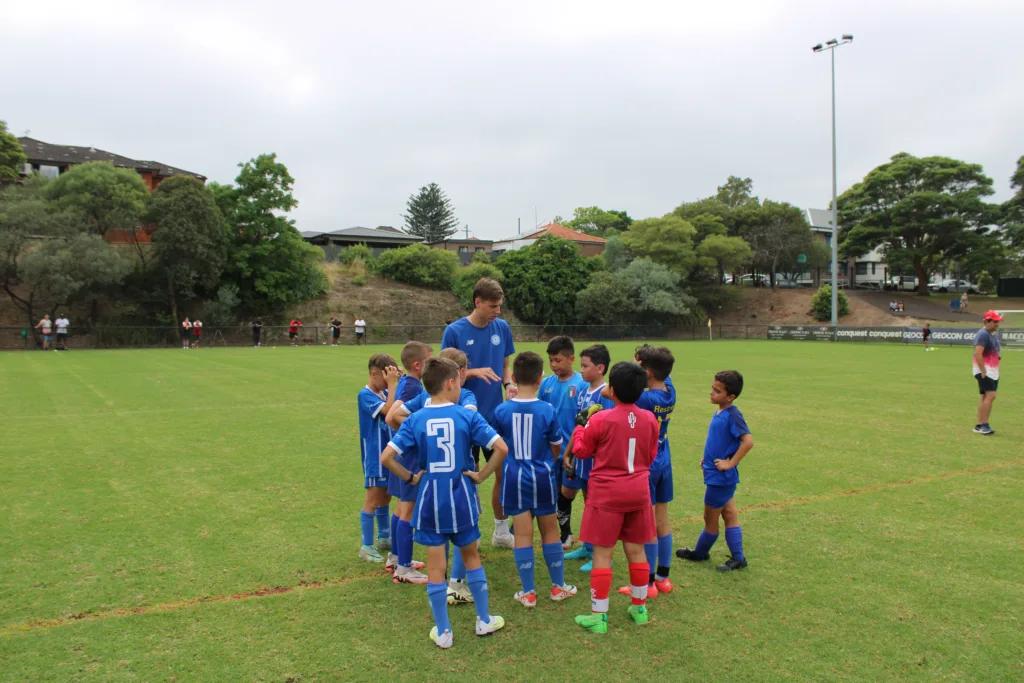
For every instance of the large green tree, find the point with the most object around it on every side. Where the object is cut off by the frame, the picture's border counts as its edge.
(190, 242)
(777, 232)
(1013, 221)
(594, 220)
(110, 198)
(12, 156)
(541, 281)
(919, 210)
(736, 192)
(725, 252)
(643, 293)
(668, 241)
(430, 215)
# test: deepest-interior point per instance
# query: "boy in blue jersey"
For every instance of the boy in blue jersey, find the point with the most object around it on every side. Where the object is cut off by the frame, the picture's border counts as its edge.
(562, 390)
(458, 591)
(486, 340)
(439, 438)
(406, 570)
(660, 399)
(529, 488)
(374, 400)
(729, 441)
(594, 362)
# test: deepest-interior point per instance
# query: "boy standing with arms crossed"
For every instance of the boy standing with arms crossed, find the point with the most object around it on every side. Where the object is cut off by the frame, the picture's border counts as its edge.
(729, 441)
(439, 438)
(623, 443)
(529, 488)
(374, 400)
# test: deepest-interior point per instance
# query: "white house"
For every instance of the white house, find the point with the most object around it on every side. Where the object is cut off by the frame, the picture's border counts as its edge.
(867, 269)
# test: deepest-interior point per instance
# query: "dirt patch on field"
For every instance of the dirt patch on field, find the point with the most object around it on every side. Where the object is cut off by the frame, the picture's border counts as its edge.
(793, 307)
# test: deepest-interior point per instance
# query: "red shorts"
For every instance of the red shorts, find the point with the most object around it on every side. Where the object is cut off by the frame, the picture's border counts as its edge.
(606, 528)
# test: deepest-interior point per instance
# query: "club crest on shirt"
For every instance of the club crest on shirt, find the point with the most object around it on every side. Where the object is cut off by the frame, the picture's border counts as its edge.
(632, 421)
(572, 392)
(495, 339)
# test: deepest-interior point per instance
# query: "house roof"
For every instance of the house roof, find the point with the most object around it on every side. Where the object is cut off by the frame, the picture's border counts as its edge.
(820, 219)
(38, 152)
(474, 240)
(557, 230)
(360, 234)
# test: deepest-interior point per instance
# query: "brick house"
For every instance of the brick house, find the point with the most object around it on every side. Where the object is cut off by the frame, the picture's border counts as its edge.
(589, 245)
(465, 247)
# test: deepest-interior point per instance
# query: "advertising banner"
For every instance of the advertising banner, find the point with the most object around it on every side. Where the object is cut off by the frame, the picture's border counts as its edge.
(958, 336)
(800, 332)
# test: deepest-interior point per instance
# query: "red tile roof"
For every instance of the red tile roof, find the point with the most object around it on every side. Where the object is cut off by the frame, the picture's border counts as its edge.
(557, 230)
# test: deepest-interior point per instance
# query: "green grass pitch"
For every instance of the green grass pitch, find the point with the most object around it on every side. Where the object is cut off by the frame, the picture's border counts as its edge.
(193, 516)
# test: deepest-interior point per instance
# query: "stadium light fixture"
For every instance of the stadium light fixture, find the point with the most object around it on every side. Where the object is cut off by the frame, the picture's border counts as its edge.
(831, 46)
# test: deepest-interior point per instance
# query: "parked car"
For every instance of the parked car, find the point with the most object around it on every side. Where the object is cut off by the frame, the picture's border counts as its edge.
(952, 286)
(901, 283)
(748, 280)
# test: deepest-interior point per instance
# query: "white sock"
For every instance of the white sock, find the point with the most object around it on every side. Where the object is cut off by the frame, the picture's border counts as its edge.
(501, 527)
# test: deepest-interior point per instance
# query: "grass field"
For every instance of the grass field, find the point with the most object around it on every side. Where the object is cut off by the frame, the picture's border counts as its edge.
(193, 516)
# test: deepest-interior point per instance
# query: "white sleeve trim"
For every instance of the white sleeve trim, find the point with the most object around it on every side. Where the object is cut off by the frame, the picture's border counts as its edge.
(556, 443)
(377, 411)
(491, 442)
(392, 446)
(402, 406)
(472, 407)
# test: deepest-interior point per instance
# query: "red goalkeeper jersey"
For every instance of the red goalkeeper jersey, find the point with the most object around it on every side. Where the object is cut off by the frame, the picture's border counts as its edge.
(623, 442)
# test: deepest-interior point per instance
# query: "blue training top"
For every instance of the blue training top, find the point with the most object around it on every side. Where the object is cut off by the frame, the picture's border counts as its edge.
(586, 399)
(466, 400)
(529, 428)
(564, 398)
(724, 434)
(661, 403)
(485, 347)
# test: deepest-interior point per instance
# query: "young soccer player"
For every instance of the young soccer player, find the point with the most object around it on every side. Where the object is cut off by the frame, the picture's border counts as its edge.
(729, 441)
(562, 390)
(594, 362)
(529, 488)
(439, 438)
(458, 591)
(414, 355)
(375, 399)
(622, 443)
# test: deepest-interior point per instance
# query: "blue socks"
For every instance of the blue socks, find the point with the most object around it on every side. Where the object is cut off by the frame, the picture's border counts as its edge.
(458, 566)
(664, 555)
(366, 526)
(704, 543)
(734, 537)
(651, 550)
(589, 548)
(477, 581)
(437, 594)
(554, 557)
(524, 563)
(383, 527)
(404, 539)
(394, 534)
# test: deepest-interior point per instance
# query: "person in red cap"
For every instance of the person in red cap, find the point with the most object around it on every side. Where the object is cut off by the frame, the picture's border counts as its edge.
(986, 369)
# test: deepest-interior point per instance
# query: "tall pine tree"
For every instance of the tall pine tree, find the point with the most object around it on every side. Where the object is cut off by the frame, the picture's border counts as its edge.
(431, 215)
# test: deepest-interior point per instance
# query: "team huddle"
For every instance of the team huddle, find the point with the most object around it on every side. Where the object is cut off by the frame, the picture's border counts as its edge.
(602, 430)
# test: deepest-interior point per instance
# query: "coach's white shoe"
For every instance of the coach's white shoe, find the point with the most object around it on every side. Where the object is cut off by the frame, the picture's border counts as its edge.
(503, 540)
(443, 641)
(459, 593)
(486, 628)
(409, 575)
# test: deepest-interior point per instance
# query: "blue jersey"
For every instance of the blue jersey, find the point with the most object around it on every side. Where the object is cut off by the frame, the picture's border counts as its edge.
(466, 400)
(724, 434)
(587, 398)
(661, 403)
(439, 438)
(563, 397)
(485, 347)
(529, 428)
(408, 388)
(374, 432)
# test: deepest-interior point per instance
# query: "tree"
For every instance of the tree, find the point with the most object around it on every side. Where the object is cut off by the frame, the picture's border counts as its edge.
(667, 240)
(920, 210)
(615, 254)
(190, 241)
(725, 252)
(418, 265)
(431, 215)
(643, 293)
(596, 221)
(465, 280)
(12, 156)
(736, 192)
(1013, 218)
(541, 281)
(821, 303)
(778, 232)
(110, 198)
(819, 256)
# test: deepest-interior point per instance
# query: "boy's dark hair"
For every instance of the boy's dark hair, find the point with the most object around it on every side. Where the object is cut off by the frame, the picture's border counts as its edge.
(562, 344)
(628, 381)
(643, 352)
(414, 352)
(659, 360)
(455, 355)
(528, 367)
(732, 380)
(437, 371)
(379, 361)
(598, 355)
(487, 289)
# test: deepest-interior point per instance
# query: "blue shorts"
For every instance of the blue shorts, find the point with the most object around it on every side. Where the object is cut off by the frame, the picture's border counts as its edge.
(404, 491)
(460, 538)
(576, 483)
(46, 337)
(717, 496)
(537, 512)
(375, 482)
(661, 486)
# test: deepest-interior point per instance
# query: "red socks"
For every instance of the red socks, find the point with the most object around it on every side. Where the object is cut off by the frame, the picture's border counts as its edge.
(600, 587)
(638, 575)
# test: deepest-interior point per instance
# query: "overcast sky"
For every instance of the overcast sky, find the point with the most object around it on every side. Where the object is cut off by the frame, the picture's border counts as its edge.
(514, 105)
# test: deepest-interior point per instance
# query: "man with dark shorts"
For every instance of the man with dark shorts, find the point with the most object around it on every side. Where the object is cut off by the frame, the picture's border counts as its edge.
(335, 326)
(986, 369)
(62, 323)
(257, 329)
(487, 342)
(926, 335)
(360, 326)
(186, 333)
(293, 331)
(197, 332)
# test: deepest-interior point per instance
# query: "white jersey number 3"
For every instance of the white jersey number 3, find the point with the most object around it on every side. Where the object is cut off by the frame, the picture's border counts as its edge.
(444, 430)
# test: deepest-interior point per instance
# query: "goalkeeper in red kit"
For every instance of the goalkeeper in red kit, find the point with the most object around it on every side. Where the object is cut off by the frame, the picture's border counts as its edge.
(623, 441)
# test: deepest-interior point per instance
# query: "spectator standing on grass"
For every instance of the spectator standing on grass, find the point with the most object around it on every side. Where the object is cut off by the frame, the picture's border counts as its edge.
(197, 332)
(360, 325)
(45, 326)
(926, 335)
(986, 369)
(62, 323)
(963, 302)
(293, 331)
(335, 326)
(257, 329)
(186, 333)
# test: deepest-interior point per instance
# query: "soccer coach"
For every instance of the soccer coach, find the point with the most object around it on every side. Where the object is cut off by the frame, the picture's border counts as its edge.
(487, 342)
(986, 369)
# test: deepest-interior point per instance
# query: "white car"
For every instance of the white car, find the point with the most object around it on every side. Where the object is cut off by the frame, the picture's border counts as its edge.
(952, 286)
